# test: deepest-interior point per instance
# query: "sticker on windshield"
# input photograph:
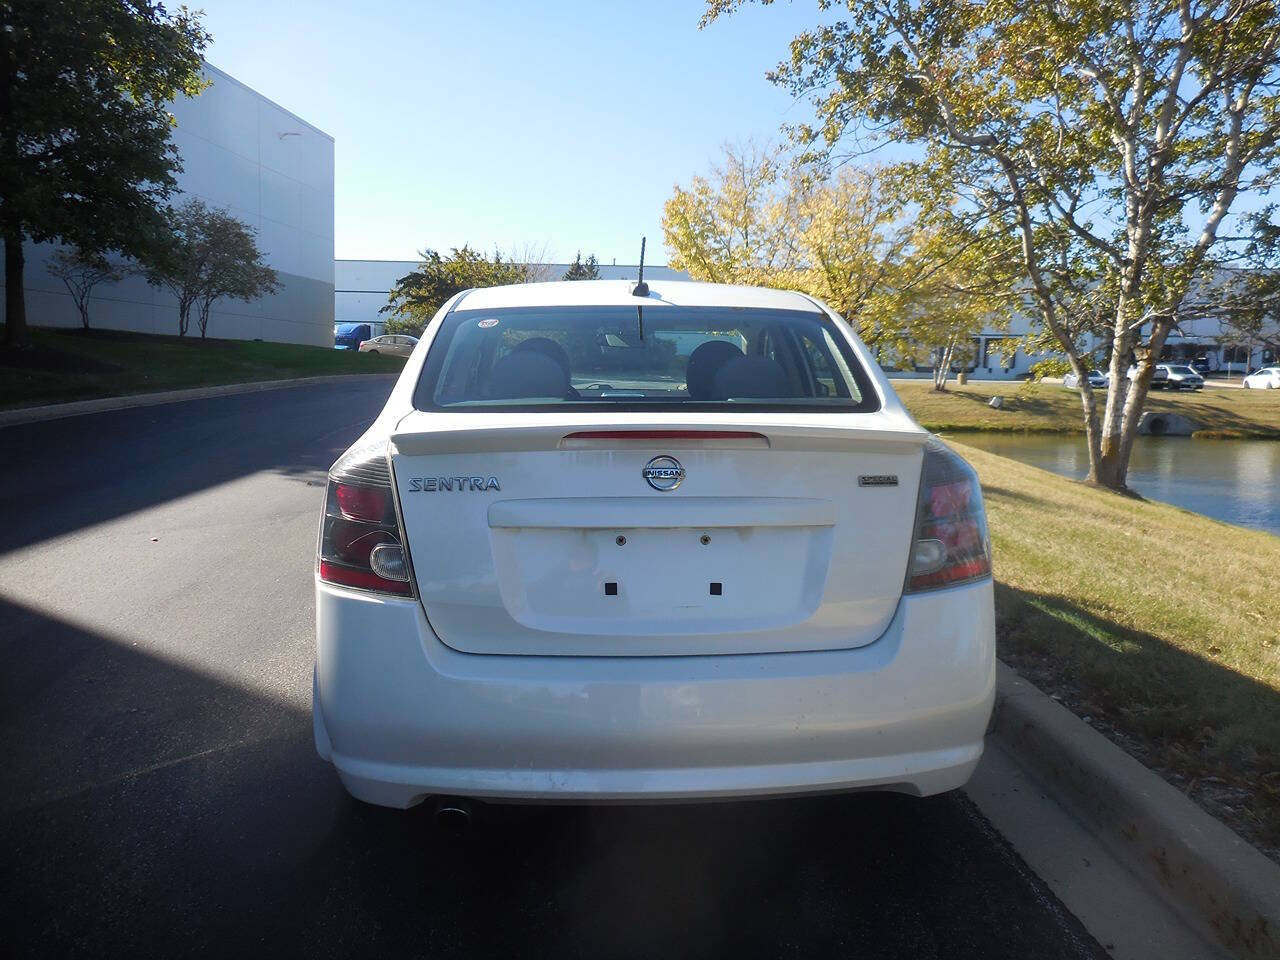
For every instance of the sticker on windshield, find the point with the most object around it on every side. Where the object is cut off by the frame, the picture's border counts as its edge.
(486, 324)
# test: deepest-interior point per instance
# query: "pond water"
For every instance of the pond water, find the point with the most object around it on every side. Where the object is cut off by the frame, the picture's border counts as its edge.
(1237, 481)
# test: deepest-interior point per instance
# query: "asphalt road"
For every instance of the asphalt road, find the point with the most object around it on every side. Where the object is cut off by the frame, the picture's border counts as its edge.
(160, 796)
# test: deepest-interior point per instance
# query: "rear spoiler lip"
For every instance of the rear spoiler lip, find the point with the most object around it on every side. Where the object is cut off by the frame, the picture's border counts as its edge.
(423, 433)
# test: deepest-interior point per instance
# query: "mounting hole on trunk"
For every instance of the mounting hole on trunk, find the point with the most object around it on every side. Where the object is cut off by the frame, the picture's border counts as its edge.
(611, 589)
(717, 589)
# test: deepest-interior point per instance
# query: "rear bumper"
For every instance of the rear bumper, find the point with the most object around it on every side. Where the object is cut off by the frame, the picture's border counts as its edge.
(402, 716)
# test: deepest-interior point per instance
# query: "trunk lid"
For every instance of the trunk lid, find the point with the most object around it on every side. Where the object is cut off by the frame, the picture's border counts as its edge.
(539, 534)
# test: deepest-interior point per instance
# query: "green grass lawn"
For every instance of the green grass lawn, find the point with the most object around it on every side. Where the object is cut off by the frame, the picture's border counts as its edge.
(78, 365)
(1051, 408)
(1159, 625)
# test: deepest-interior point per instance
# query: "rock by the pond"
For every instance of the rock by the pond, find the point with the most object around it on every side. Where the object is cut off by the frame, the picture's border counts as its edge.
(1156, 424)
(996, 403)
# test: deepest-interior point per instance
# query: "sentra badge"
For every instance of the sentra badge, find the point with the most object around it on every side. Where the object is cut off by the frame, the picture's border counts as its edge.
(442, 484)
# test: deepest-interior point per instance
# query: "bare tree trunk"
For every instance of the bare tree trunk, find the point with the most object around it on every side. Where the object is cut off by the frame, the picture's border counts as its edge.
(16, 333)
(82, 306)
(1092, 428)
(1136, 401)
(204, 317)
(942, 371)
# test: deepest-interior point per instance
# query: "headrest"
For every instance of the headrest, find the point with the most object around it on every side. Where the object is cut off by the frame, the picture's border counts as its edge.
(758, 377)
(705, 361)
(527, 373)
(548, 348)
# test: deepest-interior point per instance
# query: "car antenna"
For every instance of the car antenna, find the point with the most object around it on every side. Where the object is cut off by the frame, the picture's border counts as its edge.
(640, 289)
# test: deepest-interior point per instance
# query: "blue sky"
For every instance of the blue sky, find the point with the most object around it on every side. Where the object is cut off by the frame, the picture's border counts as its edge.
(557, 124)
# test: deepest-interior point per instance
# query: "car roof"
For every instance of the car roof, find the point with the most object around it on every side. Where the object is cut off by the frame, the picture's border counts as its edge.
(602, 293)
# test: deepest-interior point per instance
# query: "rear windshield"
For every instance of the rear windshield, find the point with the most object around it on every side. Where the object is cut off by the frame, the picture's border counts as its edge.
(1182, 370)
(671, 357)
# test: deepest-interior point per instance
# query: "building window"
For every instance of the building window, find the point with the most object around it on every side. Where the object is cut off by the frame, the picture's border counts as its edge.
(1236, 355)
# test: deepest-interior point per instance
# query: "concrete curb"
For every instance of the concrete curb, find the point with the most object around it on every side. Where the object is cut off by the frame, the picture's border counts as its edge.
(1215, 879)
(57, 411)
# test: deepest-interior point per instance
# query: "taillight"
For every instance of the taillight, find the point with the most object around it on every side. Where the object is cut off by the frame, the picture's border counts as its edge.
(950, 543)
(360, 539)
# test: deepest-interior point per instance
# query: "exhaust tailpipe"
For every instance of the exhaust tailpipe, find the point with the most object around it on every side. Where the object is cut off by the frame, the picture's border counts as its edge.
(453, 813)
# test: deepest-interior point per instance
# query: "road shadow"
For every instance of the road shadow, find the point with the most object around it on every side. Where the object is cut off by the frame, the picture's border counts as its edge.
(154, 810)
(64, 475)
(1210, 730)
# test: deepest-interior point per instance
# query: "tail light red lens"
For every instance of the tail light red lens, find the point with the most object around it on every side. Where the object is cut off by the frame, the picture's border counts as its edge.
(360, 544)
(950, 544)
(368, 504)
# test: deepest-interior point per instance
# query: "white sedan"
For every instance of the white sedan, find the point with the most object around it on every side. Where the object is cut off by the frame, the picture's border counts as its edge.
(1268, 378)
(397, 345)
(607, 543)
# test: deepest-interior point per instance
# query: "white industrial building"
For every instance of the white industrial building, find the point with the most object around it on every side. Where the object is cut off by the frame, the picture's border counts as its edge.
(270, 169)
(998, 354)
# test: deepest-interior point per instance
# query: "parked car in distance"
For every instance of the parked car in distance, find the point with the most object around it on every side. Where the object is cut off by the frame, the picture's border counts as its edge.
(1268, 378)
(347, 336)
(1201, 366)
(1097, 379)
(1179, 376)
(1159, 378)
(588, 553)
(396, 344)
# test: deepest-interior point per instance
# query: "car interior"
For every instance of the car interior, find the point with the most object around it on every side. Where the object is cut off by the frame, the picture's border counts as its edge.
(712, 359)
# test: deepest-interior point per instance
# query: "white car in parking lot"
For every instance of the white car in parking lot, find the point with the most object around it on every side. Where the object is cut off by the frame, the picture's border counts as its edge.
(1268, 378)
(615, 544)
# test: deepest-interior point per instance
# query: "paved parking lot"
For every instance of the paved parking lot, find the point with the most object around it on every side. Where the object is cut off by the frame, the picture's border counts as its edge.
(160, 795)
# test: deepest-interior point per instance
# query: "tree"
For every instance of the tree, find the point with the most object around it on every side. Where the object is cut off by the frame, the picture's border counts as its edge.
(80, 271)
(1111, 139)
(960, 286)
(178, 261)
(417, 296)
(583, 270)
(85, 156)
(911, 284)
(234, 267)
(727, 228)
(205, 255)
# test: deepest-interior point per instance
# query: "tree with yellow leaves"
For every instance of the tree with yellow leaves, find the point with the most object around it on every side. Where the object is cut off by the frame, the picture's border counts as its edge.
(914, 283)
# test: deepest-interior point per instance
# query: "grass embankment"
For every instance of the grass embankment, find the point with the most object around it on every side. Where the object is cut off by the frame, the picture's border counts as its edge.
(1051, 408)
(1159, 625)
(68, 365)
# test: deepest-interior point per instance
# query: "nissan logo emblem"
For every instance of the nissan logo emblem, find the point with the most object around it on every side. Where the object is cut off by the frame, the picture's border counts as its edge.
(663, 473)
